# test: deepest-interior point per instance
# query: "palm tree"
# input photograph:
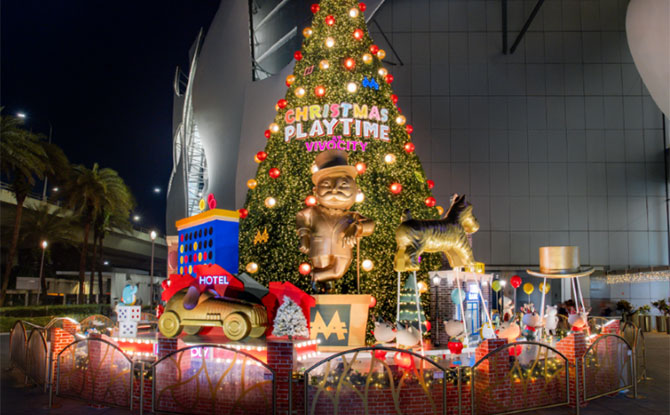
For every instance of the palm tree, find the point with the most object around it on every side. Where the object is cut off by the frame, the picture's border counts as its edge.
(91, 193)
(47, 223)
(118, 219)
(23, 158)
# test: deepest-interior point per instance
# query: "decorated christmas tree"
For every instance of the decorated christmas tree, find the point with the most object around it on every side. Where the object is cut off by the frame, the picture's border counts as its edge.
(339, 97)
(290, 321)
(408, 312)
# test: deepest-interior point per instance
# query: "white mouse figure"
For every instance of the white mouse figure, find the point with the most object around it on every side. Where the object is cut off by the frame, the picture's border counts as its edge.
(510, 331)
(384, 331)
(454, 329)
(578, 320)
(407, 336)
(551, 319)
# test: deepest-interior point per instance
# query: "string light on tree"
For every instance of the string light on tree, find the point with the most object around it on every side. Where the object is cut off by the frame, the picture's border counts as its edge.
(395, 188)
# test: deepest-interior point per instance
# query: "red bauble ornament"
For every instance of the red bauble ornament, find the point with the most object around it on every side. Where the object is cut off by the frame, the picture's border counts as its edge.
(243, 213)
(428, 326)
(430, 183)
(373, 302)
(515, 281)
(380, 354)
(310, 200)
(455, 347)
(297, 55)
(403, 360)
(305, 268)
(319, 91)
(374, 49)
(394, 98)
(315, 8)
(268, 133)
(360, 167)
(349, 63)
(409, 147)
(261, 155)
(330, 20)
(408, 128)
(274, 172)
(395, 188)
(362, 6)
(389, 78)
(282, 103)
(358, 34)
(430, 201)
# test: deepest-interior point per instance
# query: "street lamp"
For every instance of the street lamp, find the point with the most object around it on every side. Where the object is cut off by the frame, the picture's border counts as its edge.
(157, 189)
(153, 242)
(21, 115)
(136, 218)
(42, 281)
(436, 281)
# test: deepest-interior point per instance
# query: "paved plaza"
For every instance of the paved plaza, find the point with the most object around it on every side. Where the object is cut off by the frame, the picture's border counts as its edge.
(18, 399)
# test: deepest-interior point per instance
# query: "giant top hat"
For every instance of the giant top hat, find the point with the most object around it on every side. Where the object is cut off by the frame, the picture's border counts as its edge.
(332, 162)
(560, 262)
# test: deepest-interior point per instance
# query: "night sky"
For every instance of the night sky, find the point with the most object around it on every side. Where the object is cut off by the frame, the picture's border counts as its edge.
(101, 72)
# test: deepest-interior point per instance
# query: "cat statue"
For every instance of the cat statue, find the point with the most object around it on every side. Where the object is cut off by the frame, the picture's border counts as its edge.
(551, 319)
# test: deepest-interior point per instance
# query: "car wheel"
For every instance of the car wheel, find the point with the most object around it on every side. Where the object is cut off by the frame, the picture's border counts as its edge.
(236, 326)
(257, 331)
(169, 325)
(192, 330)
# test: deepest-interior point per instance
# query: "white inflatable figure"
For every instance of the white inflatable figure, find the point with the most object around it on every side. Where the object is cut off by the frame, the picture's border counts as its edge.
(532, 321)
(487, 331)
(509, 330)
(454, 329)
(551, 319)
(407, 336)
(528, 354)
(384, 331)
(508, 308)
(578, 321)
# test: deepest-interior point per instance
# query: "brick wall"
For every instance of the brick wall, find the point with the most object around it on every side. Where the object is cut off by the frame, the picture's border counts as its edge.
(573, 347)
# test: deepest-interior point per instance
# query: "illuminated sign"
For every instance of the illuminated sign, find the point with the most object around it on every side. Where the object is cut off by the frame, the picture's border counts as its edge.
(213, 279)
(473, 293)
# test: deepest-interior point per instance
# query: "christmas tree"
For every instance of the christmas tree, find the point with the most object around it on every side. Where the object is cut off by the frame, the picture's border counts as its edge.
(339, 96)
(290, 321)
(408, 312)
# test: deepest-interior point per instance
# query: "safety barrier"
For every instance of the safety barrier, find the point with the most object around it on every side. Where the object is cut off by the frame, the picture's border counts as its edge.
(522, 376)
(96, 371)
(37, 358)
(634, 336)
(608, 367)
(369, 379)
(212, 379)
(17, 346)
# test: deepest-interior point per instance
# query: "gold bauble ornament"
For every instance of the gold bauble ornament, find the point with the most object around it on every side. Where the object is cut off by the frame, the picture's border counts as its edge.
(367, 265)
(400, 120)
(381, 54)
(300, 92)
(252, 267)
(367, 58)
(252, 183)
(330, 42)
(389, 158)
(324, 64)
(382, 72)
(270, 202)
(352, 87)
(307, 32)
(353, 12)
(274, 127)
(290, 79)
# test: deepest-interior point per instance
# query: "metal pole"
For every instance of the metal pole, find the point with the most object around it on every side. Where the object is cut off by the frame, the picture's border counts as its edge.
(358, 265)
(437, 313)
(41, 272)
(153, 242)
(418, 310)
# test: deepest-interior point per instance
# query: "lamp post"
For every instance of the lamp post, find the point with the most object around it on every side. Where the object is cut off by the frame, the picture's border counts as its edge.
(43, 284)
(436, 281)
(153, 242)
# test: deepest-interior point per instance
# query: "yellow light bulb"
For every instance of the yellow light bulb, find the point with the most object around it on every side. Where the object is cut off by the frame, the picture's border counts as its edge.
(360, 197)
(367, 58)
(314, 168)
(270, 202)
(324, 64)
(352, 87)
(300, 92)
(367, 265)
(330, 42)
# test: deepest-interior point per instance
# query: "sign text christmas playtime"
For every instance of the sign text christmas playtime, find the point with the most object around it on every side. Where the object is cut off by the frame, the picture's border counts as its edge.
(343, 119)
